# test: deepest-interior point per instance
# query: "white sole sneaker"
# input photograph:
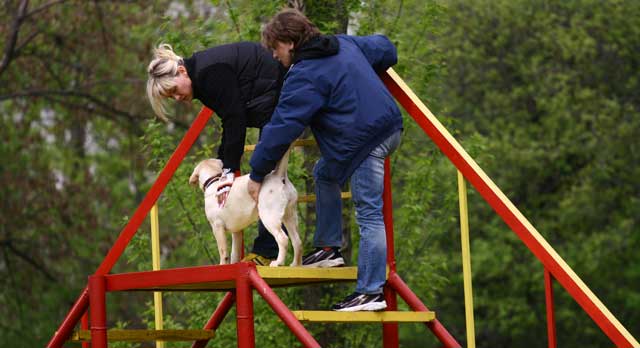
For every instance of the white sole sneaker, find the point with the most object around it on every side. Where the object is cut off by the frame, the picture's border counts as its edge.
(373, 306)
(339, 262)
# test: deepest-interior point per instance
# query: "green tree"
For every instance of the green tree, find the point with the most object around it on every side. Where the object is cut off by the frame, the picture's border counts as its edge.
(553, 88)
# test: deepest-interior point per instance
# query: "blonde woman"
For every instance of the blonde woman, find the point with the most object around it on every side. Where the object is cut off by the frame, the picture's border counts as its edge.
(241, 83)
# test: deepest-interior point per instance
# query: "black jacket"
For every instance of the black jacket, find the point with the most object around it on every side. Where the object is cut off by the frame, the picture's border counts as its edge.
(241, 83)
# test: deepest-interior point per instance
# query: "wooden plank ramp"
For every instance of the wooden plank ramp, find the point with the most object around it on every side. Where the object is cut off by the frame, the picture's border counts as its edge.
(141, 335)
(365, 317)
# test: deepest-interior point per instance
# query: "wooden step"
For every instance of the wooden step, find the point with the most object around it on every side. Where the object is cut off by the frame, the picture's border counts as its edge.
(283, 276)
(364, 317)
(147, 335)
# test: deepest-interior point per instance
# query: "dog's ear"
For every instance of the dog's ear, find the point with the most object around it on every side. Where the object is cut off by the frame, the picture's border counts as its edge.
(195, 176)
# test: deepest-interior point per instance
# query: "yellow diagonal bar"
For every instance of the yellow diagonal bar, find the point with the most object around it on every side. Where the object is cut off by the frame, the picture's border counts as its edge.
(155, 259)
(466, 262)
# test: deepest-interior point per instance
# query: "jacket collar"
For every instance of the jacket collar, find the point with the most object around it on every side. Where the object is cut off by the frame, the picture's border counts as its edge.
(317, 47)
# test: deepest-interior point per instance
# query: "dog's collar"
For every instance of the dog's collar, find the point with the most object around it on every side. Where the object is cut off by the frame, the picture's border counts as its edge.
(210, 181)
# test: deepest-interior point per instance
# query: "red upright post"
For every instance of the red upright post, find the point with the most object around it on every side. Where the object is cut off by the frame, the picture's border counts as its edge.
(97, 299)
(244, 311)
(84, 325)
(551, 320)
(390, 336)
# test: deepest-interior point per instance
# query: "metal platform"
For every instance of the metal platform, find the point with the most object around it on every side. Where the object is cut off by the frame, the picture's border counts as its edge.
(218, 278)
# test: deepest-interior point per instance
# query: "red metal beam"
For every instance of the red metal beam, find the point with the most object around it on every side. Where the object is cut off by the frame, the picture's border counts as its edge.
(244, 309)
(174, 276)
(508, 212)
(72, 318)
(152, 196)
(390, 335)
(414, 302)
(551, 320)
(282, 310)
(98, 311)
(84, 325)
(216, 319)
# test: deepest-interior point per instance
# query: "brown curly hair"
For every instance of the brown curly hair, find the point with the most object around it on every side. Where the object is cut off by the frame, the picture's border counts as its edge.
(288, 25)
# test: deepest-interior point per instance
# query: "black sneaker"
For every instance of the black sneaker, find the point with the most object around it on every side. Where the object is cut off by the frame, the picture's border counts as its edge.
(361, 302)
(323, 257)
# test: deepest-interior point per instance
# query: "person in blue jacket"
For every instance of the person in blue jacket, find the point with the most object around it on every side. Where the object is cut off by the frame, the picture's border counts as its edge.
(332, 87)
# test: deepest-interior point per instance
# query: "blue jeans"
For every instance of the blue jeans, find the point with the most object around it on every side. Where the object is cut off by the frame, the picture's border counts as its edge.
(367, 184)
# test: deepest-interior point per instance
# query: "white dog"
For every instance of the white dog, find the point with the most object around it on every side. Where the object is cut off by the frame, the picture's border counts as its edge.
(276, 205)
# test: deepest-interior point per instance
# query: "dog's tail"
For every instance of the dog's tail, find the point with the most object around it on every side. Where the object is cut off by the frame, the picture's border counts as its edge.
(281, 167)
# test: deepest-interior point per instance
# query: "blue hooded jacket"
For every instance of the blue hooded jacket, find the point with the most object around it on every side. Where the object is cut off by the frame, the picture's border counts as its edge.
(333, 88)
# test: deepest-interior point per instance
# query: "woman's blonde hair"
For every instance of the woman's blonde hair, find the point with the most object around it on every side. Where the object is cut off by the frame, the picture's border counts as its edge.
(162, 71)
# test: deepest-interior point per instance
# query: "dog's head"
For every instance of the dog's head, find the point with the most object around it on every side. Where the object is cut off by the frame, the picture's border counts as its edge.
(205, 169)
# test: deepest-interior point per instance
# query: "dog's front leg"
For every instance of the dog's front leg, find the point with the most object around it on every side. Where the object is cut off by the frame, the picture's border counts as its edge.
(221, 240)
(236, 246)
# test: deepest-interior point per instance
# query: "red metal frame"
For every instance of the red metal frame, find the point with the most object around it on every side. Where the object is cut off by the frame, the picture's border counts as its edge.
(414, 302)
(390, 335)
(551, 320)
(81, 304)
(247, 278)
(511, 216)
(244, 310)
(282, 310)
(97, 294)
(245, 275)
(84, 325)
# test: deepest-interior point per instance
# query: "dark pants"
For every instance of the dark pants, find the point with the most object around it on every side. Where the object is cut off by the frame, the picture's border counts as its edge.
(264, 244)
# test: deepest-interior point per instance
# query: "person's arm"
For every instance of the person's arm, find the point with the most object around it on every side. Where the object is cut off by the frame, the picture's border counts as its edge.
(220, 84)
(300, 99)
(378, 50)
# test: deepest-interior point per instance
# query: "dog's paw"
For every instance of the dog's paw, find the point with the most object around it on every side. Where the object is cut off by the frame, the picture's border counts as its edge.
(274, 264)
(294, 264)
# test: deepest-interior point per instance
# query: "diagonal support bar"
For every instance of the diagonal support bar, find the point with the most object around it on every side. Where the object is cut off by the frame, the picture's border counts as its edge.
(217, 317)
(508, 212)
(414, 302)
(281, 310)
(134, 223)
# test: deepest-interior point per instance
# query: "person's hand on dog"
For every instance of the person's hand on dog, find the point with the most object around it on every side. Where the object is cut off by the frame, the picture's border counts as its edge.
(253, 188)
(226, 181)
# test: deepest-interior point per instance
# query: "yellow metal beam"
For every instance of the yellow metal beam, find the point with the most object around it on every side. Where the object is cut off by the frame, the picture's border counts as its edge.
(301, 273)
(364, 317)
(155, 255)
(147, 335)
(466, 262)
